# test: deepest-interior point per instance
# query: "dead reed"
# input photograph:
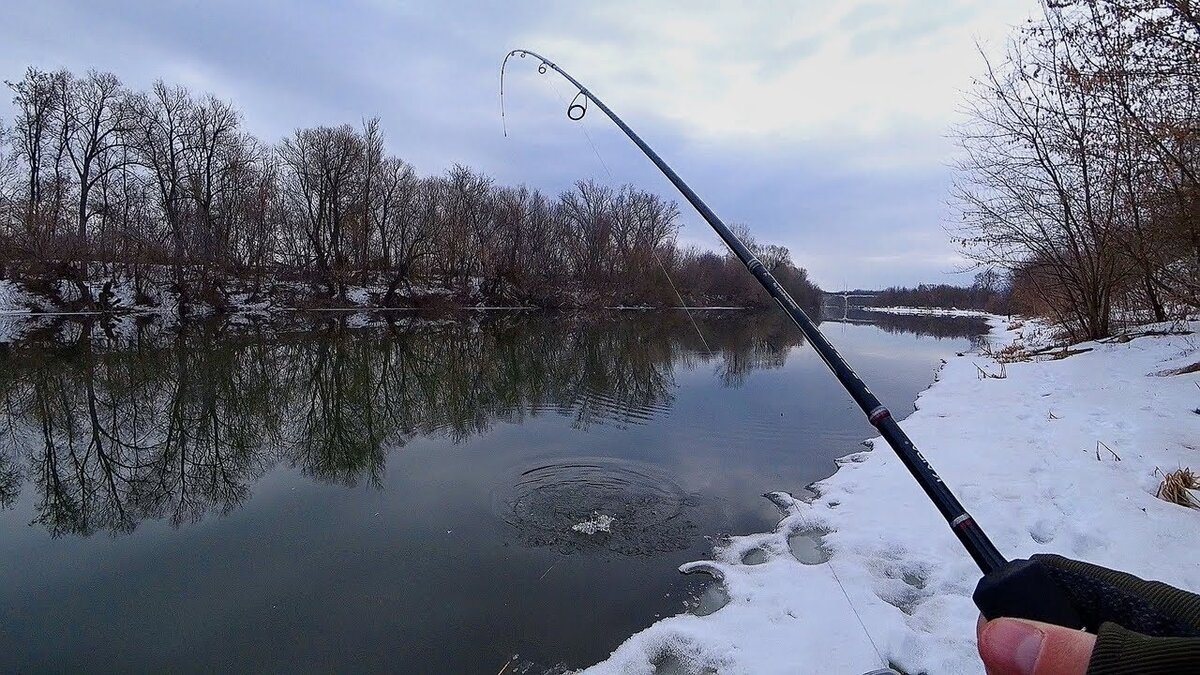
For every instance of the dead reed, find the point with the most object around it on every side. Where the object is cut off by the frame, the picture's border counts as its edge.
(1177, 487)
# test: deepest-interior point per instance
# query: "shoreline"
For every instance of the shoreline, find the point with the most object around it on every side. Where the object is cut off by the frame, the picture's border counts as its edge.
(119, 297)
(121, 324)
(135, 312)
(927, 311)
(1049, 455)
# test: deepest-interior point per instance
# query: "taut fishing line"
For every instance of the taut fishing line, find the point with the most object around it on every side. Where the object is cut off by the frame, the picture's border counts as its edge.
(582, 127)
(576, 111)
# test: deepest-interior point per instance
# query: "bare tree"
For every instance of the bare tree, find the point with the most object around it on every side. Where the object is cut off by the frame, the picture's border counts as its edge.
(213, 143)
(160, 138)
(93, 116)
(589, 220)
(1084, 158)
(35, 98)
(323, 169)
(1036, 184)
(466, 219)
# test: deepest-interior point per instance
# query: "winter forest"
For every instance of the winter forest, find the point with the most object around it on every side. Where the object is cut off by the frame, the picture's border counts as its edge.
(164, 189)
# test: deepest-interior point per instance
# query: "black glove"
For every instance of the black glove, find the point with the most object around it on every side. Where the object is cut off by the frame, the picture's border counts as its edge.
(1141, 626)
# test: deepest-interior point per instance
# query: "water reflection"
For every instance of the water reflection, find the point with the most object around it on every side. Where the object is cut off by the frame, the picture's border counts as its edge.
(114, 427)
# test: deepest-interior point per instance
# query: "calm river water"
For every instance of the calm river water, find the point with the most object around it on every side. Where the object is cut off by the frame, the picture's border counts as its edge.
(410, 496)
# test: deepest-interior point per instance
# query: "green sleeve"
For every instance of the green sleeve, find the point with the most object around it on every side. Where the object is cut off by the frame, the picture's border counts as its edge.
(1124, 652)
(1103, 595)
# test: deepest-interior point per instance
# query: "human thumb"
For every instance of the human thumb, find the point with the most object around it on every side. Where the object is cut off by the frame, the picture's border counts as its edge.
(1019, 647)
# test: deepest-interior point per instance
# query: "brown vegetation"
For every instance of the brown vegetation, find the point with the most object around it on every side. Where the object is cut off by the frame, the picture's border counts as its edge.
(1176, 488)
(1082, 172)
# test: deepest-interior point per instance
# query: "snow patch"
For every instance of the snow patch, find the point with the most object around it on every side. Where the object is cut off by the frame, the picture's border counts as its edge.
(13, 298)
(12, 328)
(359, 296)
(246, 303)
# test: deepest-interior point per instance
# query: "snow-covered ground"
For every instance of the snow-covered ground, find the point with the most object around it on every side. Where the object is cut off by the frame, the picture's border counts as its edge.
(925, 311)
(1059, 456)
(12, 298)
(12, 328)
(118, 295)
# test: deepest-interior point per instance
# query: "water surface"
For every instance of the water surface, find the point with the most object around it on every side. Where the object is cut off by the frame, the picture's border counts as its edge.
(316, 494)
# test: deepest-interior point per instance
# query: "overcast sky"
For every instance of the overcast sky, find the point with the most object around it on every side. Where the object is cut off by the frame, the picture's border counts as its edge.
(821, 125)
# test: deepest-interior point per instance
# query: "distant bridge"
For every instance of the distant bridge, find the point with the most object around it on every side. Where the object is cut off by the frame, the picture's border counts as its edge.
(846, 296)
(841, 301)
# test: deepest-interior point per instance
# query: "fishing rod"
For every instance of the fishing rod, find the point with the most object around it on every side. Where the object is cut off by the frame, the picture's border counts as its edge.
(1020, 588)
(964, 526)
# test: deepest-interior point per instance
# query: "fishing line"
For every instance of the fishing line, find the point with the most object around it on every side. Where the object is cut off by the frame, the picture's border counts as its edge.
(572, 106)
(855, 610)
(684, 305)
(576, 111)
(653, 251)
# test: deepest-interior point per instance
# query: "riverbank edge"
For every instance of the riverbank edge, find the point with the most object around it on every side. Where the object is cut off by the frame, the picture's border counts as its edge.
(232, 297)
(1077, 478)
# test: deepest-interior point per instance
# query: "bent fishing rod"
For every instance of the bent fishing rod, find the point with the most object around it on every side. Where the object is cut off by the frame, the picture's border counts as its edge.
(1021, 588)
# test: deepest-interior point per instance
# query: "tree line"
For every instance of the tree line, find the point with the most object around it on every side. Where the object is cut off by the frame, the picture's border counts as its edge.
(166, 187)
(989, 293)
(1081, 170)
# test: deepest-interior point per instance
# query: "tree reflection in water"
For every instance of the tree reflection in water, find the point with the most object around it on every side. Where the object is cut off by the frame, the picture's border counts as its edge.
(176, 424)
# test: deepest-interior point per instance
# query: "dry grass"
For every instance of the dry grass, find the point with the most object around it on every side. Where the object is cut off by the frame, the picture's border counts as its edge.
(1186, 370)
(1013, 353)
(1065, 352)
(1194, 368)
(1176, 488)
(983, 374)
(1102, 444)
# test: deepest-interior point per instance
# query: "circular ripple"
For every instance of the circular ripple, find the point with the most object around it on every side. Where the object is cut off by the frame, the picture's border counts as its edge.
(650, 513)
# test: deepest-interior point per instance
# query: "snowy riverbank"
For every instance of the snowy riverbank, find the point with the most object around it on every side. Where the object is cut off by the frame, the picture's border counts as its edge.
(157, 295)
(1058, 456)
(926, 311)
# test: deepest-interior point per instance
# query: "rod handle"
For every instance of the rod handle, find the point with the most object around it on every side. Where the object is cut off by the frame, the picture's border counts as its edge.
(1024, 589)
(1076, 594)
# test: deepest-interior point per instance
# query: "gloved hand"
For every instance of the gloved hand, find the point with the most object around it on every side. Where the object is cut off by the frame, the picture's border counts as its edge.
(1141, 627)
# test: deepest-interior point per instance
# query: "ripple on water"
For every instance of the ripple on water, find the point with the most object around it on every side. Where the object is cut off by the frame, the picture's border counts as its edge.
(644, 511)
